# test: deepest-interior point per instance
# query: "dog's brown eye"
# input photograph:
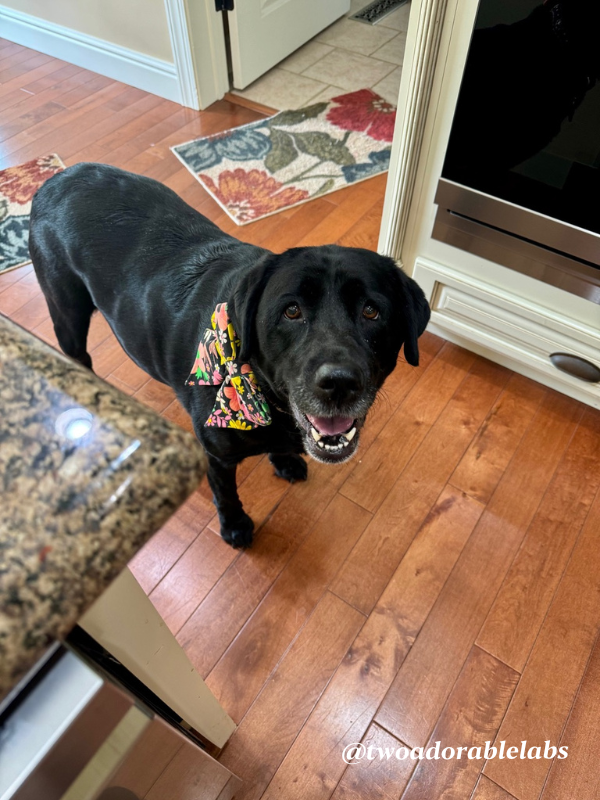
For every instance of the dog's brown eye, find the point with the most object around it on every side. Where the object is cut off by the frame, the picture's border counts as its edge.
(293, 311)
(370, 312)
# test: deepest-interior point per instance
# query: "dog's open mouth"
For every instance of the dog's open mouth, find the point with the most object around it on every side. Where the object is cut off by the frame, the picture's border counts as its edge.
(331, 439)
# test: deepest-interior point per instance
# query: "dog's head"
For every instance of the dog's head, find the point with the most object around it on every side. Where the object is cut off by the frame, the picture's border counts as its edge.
(322, 327)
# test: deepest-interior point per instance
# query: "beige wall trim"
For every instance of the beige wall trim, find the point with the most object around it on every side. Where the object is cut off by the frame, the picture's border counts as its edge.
(120, 63)
(124, 622)
(423, 40)
(198, 42)
(182, 52)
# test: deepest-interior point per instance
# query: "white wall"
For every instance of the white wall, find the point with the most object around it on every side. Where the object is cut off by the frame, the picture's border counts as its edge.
(139, 25)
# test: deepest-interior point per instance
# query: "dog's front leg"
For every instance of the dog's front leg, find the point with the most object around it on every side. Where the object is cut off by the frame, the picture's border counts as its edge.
(236, 526)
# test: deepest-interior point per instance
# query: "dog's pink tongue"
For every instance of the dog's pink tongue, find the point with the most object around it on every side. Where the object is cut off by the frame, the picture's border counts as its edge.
(330, 426)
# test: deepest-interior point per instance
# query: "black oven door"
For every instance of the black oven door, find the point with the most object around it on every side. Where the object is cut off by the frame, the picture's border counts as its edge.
(521, 178)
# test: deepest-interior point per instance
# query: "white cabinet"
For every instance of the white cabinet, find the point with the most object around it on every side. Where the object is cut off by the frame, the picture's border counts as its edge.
(495, 311)
(513, 330)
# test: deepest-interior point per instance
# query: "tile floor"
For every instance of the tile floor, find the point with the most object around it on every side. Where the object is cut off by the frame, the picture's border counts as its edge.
(346, 56)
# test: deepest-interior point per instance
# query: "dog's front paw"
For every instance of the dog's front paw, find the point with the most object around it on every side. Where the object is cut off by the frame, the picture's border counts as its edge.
(290, 467)
(239, 533)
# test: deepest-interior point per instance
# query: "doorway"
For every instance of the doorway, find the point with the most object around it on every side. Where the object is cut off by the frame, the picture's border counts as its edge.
(202, 64)
(344, 57)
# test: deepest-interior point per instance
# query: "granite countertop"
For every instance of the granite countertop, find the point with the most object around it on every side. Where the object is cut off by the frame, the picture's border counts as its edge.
(87, 476)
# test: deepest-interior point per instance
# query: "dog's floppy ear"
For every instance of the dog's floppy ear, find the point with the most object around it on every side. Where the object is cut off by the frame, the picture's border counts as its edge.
(417, 313)
(245, 300)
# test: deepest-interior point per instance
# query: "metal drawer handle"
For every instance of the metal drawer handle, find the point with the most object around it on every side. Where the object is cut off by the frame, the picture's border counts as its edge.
(576, 366)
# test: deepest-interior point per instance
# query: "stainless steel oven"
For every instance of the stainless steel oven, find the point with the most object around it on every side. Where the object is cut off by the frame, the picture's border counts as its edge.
(521, 178)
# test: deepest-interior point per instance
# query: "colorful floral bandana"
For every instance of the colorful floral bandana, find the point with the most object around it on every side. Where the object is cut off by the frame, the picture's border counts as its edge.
(240, 402)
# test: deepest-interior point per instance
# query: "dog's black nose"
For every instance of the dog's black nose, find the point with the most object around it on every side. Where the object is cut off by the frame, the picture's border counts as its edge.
(338, 384)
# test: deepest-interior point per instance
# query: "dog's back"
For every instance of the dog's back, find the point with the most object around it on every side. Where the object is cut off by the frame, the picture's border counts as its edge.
(130, 247)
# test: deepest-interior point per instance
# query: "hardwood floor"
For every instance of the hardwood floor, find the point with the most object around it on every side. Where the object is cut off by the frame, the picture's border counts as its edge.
(444, 585)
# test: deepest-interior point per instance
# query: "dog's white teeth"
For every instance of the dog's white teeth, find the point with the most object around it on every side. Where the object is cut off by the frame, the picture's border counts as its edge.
(343, 442)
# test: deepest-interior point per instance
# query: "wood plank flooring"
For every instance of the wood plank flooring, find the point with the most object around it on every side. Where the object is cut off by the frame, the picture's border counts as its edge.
(443, 586)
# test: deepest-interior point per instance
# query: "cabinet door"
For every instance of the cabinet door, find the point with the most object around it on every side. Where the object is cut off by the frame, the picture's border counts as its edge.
(264, 32)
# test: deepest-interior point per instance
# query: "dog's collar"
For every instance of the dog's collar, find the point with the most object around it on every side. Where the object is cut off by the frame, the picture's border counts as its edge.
(240, 402)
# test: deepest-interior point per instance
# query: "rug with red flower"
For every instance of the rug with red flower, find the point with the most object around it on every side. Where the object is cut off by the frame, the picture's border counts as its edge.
(259, 169)
(17, 187)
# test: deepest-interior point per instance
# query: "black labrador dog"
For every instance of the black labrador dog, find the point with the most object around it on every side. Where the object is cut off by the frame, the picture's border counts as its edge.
(269, 353)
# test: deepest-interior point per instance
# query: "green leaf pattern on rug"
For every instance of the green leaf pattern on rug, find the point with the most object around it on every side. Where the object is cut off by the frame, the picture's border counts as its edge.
(325, 147)
(327, 187)
(300, 115)
(283, 151)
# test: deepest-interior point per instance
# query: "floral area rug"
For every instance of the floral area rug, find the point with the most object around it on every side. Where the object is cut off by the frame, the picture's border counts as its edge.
(17, 187)
(259, 169)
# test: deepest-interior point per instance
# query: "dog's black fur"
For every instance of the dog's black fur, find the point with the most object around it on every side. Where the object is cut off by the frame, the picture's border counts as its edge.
(105, 239)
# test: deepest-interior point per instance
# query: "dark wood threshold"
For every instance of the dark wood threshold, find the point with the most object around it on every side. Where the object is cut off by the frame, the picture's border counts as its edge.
(238, 100)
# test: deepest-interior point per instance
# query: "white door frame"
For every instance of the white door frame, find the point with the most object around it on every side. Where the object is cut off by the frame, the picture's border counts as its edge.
(198, 43)
(421, 55)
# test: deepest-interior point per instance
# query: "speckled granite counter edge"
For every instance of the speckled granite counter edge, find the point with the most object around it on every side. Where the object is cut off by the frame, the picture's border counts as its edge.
(72, 519)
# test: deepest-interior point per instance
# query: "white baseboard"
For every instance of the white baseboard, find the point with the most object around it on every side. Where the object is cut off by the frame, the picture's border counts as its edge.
(119, 63)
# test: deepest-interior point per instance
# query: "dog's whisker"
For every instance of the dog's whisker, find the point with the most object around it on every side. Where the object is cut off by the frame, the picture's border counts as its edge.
(382, 397)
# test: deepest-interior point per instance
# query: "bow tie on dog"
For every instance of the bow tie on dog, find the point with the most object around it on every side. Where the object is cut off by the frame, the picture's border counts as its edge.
(240, 402)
